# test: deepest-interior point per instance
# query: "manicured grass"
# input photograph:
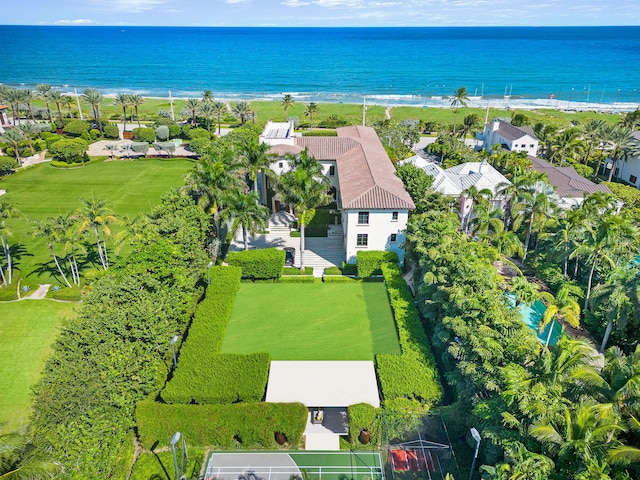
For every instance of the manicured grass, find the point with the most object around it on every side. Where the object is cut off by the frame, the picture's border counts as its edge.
(130, 186)
(27, 330)
(315, 321)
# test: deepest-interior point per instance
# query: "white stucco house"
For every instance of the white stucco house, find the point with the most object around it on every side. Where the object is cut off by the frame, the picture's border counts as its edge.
(514, 139)
(372, 200)
(629, 170)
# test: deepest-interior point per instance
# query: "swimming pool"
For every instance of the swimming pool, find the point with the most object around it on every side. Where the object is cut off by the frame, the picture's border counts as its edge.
(532, 315)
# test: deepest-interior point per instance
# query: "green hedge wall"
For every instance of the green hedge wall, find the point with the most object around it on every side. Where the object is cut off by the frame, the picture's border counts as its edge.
(363, 415)
(258, 264)
(293, 271)
(223, 378)
(239, 425)
(413, 374)
(369, 262)
(339, 279)
(297, 279)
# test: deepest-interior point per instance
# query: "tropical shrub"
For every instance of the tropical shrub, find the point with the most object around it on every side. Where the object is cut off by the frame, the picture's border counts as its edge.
(162, 133)
(364, 416)
(76, 127)
(236, 426)
(198, 133)
(140, 147)
(69, 150)
(144, 134)
(258, 264)
(94, 133)
(369, 262)
(175, 131)
(111, 131)
(7, 165)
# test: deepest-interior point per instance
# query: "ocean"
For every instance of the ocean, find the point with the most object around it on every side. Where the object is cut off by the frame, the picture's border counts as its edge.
(559, 67)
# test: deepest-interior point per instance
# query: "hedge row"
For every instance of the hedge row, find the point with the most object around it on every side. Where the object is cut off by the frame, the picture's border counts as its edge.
(237, 426)
(292, 271)
(204, 376)
(339, 279)
(369, 262)
(412, 375)
(364, 416)
(258, 264)
(298, 279)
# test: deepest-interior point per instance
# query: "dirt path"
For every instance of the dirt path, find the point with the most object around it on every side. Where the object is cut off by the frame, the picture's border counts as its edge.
(39, 293)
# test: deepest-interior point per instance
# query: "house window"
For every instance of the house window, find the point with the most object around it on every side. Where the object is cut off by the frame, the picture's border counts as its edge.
(279, 164)
(531, 146)
(633, 179)
(363, 240)
(393, 237)
(394, 216)
(332, 170)
(363, 218)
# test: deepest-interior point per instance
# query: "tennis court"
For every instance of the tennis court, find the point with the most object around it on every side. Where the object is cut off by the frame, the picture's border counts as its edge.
(302, 465)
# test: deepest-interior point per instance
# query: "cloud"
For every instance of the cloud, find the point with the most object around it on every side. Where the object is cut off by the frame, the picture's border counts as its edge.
(295, 3)
(236, 1)
(77, 21)
(130, 6)
(340, 3)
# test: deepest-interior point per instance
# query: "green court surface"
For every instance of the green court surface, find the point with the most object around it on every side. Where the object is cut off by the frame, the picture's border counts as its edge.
(318, 321)
(27, 328)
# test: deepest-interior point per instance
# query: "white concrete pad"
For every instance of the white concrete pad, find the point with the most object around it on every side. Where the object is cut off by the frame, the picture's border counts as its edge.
(321, 441)
(323, 383)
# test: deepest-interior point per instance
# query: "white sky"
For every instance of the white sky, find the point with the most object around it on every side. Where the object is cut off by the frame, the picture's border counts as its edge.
(322, 13)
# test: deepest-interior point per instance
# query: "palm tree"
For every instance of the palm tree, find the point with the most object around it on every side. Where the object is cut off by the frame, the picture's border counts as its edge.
(27, 97)
(97, 216)
(207, 110)
(7, 210)
(13, 96)
(473, 196)
(242, 110)
(619, 143)
(72, 242)
(124, 101)
(30, 131)
(287, 102)
(524, 291)
(207, 96)
(14, 137)
(310, 110)
(112, 148)
(46, 229)
(94, 98)
(69, 102)
(458, 99)
(256, 158)
(592, 134)
(58, 98)
(193, 105)
(44, 90)
(244, 211)
(469, 123)
(19, 460)
(136, 101)
(567, 143)
(563, 305)
(539, 204)
(219, 110)
(304, 191)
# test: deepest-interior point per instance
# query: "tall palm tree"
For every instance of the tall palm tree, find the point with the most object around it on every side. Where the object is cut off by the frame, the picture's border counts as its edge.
(287, 102)
(72, 242)
(567, 143)
(69, 102)
(592, 134)
(27, 97)
(46, 229)
(244, 211)
(14, 137)
(97, 216)
(136, 101)
(524, 291)
(539, 204)
(469, 124)
(29, 131)
(473, 195)
(459, 99)
(242, 110)
(123, 100)
(304, 191)
(193, 105)
(7, 211)
(310, 110)
(94, 98)
(13, 97)
(43, 90)
(19, 460)
(256, 158)
(619, 143)
(208, 111)
(563, 305)
(57, 98)
(207, 96)
(219, 110)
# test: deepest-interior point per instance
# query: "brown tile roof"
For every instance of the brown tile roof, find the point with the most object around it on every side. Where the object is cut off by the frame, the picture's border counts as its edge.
(566, 181)
(514, 133)
(283, 149)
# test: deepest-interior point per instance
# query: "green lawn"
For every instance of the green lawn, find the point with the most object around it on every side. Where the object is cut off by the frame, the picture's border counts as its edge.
(316, 321)
(27, 330)
(131, 187)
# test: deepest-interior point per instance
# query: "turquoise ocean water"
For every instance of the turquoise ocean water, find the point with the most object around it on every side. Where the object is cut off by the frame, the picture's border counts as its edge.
(395, 65)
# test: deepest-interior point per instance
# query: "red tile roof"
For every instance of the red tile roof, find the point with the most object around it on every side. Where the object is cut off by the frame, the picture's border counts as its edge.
(566, 181)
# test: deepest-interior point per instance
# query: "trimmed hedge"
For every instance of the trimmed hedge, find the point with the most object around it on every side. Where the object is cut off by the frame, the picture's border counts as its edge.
(258, 264)
(297, 279)
(238, 426)
(144, 134)
(339, 279)
(77, 127)
(332, 271)
(369, 262)
(293, 271)
(413, 375)
(363, 415)
(224, 378)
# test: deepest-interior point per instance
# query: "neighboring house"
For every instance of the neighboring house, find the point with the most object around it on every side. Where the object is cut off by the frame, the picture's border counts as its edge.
(373, 202)
(514, 139)
(629, 170)
(570, 186)
(455, 180)
(4, 119)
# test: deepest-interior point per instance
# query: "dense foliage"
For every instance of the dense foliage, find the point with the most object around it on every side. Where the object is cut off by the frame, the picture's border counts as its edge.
(364, 416)
(261, 264)
(370, 262)
(116, 351)
(69, 150)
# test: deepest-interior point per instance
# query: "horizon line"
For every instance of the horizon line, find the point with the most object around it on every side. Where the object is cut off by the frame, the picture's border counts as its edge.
(309, 26)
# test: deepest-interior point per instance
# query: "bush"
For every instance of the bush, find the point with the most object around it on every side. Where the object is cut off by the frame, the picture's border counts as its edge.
(162, 133)
(76, 127)
(224, 378)
(298, 279)
(140, 147)
(111, 131)
(237, 426)
(320, 133)
(339, 279)
(69, 150)
(349, 268)
(43, 127)
(413, 374)
(39, 145)
(198, 133)
(175, 131)
(144, 134)
(7, 165)
(287, 271)
(94, 133)
(294, 234)
(332, 271)
(363, 415)
(369, 262)
(258, 264)
(199, 145)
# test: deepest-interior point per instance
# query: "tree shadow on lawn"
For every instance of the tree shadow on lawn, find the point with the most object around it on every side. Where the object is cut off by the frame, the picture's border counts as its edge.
(90, 261)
